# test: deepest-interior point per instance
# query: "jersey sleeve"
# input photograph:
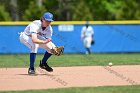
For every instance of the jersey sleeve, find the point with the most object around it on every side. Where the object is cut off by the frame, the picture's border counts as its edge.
(51, 30)
(82, 32)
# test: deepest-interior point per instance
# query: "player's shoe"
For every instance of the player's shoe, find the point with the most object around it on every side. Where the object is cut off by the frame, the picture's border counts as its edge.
(46, 67)
(31, 71)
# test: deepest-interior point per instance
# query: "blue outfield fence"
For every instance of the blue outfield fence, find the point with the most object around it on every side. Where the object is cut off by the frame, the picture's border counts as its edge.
(109, 37)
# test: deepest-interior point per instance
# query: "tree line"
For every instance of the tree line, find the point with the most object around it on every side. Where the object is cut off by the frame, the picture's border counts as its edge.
(70, 10)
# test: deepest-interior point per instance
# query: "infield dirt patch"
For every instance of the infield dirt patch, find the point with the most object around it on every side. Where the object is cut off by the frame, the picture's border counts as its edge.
(82, 76)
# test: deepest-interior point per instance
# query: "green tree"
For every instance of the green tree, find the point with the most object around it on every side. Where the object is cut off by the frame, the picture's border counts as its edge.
(114, 9)
(131, 10)
(33, 12)
(81, 11)
(72, 9)
(4, 15)
(22, 7)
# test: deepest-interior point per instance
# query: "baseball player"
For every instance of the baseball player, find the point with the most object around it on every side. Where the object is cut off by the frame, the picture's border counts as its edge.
(38, 35)
(87, 37)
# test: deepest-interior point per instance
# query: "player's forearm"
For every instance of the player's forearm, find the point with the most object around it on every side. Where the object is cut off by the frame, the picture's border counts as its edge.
(38, 41)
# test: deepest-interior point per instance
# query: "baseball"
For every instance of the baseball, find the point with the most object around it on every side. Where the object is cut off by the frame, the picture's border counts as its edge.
(110, 64)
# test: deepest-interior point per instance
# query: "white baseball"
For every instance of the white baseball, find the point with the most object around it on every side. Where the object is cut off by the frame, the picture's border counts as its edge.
(110, 64)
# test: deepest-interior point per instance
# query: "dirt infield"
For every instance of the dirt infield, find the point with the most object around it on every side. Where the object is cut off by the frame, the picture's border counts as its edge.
(82, 76)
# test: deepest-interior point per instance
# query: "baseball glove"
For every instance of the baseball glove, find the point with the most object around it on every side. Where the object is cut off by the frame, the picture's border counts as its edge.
(57, 50)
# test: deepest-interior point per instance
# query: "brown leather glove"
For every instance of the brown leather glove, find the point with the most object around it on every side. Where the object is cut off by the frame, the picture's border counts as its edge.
(57, 50)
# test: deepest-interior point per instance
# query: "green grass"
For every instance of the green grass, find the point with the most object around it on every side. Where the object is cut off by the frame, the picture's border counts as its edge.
(21, 60)
(107, 89)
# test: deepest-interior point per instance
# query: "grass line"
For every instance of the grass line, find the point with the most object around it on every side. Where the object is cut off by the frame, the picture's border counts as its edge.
(106, 89)
(21, 60)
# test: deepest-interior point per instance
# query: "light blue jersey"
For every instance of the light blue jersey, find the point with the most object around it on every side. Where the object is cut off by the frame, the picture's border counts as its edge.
(87, 32)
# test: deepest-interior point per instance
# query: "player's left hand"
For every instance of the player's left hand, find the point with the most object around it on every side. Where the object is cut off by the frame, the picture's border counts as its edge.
(57, 51)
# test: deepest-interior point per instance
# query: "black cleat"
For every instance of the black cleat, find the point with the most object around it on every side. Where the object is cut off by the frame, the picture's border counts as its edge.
(31, 71)
(46, 67)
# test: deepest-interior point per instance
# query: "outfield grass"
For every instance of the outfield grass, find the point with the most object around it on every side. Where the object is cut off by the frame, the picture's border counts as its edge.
(107, 89)
(21, 60)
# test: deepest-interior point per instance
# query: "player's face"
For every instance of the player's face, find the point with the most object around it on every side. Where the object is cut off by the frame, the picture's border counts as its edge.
(46, 23)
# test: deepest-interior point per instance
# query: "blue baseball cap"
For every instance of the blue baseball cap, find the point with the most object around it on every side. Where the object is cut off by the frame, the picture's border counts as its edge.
(48, 16)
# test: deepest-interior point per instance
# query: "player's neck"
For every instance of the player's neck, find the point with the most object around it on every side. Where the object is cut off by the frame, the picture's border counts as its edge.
(43, 28)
